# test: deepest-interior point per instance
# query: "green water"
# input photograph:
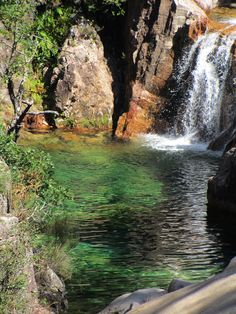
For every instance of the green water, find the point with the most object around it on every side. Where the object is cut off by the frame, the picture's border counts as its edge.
(138, 217)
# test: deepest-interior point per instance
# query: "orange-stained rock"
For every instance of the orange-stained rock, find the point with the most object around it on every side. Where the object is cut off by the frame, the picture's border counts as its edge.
(140, 117)
(35, 121)
(156, 33)
(198, 28)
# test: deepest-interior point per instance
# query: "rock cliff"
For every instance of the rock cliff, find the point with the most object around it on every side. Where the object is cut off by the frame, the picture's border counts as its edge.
(156, 33)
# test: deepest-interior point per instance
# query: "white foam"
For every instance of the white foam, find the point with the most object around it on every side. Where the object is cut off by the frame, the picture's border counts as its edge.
(230, 21)
(172, 143)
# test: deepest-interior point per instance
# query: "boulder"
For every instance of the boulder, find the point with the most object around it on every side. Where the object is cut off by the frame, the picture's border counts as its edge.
(82, 81)
(130, 301)
(177, 284)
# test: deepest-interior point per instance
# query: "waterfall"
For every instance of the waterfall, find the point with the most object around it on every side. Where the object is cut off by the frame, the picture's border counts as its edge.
(200, 79)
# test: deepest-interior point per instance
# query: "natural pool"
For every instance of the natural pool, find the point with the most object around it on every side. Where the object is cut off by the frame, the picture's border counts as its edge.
(138, 217)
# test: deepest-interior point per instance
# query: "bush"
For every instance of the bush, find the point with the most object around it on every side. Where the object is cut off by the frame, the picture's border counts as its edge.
(32, 175)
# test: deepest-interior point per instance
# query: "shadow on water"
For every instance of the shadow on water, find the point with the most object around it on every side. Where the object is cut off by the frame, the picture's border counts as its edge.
(223, 224)
(138, 218)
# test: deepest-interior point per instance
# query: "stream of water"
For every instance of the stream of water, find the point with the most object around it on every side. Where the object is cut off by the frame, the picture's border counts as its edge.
(139, 217)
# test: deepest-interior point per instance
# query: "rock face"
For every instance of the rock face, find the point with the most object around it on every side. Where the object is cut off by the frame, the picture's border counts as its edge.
(82, 80)
(157, 32)
(221, 188)
(213, 296)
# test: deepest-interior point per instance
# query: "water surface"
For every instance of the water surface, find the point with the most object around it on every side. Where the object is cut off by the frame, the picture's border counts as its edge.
(138, 218)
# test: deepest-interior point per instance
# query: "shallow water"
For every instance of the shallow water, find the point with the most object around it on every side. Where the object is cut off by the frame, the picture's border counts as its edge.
(139, 216)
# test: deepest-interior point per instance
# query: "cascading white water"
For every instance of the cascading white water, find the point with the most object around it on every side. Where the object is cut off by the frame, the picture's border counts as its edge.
(208, 62)
(200, 78)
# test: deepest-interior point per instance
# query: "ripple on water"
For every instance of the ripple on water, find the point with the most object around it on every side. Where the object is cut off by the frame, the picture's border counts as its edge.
(138, 218)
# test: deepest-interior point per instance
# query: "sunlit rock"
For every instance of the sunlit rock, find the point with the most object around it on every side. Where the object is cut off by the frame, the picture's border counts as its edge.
(82, 81)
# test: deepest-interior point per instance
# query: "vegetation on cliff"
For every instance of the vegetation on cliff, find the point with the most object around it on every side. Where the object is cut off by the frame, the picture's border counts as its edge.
(36, 196)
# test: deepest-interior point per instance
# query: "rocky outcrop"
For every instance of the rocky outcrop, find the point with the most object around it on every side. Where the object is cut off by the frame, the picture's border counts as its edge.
(213, 296)
(82, 81)
(156, 33)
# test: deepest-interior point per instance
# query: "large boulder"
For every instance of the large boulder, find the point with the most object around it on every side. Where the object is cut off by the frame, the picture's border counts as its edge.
(82, 81)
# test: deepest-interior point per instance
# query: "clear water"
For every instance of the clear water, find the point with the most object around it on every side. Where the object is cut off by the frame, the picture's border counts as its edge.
(139, 216)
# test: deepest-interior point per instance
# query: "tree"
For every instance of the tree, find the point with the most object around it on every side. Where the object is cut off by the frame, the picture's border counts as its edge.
(17, 34)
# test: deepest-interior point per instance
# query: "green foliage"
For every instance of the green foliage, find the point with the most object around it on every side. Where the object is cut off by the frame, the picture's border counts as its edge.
(34, 89)
(99, 123)
(112, 7)
(52, 27)
(12, 272)
(56, 256)
(69, 122)
(32, 174)
(17, 17)
(36, 195)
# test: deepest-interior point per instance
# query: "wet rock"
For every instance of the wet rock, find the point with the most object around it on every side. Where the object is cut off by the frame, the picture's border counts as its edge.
(177, 284)
(82, 81)
(221, 188)
(129, 301)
